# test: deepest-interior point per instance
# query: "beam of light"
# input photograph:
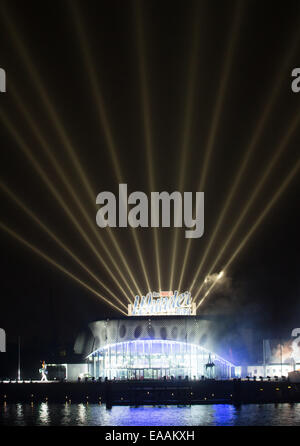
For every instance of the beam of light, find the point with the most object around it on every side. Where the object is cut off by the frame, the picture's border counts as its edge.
(57, 265)
(186, 133)
(259, 220)
(60, 130)
(282, 145)
(47, 149)
(103, 119)
(265, 116)
(54, 237)
(220, 97)
(27, 152)
(22, 50)
(97, 93)
(146, 120)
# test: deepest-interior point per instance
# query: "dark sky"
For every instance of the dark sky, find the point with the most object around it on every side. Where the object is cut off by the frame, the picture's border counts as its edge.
(37, 300)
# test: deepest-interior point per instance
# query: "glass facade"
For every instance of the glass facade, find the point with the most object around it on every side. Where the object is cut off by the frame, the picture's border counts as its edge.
(156, 359)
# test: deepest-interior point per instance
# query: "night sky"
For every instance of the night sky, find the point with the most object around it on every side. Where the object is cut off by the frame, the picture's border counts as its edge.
(188, 48)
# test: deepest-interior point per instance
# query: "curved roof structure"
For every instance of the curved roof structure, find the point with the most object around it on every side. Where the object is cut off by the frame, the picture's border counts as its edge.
(193, 330)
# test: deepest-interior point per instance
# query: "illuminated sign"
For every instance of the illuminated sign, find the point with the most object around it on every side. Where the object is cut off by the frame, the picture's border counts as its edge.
(164, 303)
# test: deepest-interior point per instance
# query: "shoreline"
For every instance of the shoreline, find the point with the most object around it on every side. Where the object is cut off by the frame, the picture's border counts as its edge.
(152, 392)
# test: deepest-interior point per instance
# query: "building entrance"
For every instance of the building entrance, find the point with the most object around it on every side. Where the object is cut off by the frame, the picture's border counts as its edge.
(155, 359)
(153, 373)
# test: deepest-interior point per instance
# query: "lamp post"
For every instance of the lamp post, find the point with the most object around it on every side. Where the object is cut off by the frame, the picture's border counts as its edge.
(19, 358)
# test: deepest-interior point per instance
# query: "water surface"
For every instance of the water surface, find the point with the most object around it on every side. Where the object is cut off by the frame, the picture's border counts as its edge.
(45, 414)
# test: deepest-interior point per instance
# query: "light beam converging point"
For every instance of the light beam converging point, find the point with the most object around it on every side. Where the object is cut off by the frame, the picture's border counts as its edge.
(58, 266)
(186, 138)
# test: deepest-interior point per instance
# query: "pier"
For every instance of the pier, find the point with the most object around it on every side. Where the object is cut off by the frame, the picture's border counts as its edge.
(151, 392)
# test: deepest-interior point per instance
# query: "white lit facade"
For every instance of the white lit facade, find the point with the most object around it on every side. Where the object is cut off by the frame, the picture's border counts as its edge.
(155, 359)
(152, 348)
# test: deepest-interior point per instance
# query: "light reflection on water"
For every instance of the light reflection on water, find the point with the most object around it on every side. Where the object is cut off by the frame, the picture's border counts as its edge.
(197, 415)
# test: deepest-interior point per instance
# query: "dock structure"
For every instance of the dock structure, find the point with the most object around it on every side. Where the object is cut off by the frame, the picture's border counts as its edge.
(151, 392)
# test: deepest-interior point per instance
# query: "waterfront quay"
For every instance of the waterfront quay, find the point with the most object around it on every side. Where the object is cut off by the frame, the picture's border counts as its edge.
(151, 392)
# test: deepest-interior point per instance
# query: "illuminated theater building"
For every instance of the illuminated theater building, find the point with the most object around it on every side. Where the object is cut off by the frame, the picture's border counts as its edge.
(161, 337)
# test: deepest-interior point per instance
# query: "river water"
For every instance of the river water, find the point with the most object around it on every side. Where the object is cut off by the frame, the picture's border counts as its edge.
(45, 414)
